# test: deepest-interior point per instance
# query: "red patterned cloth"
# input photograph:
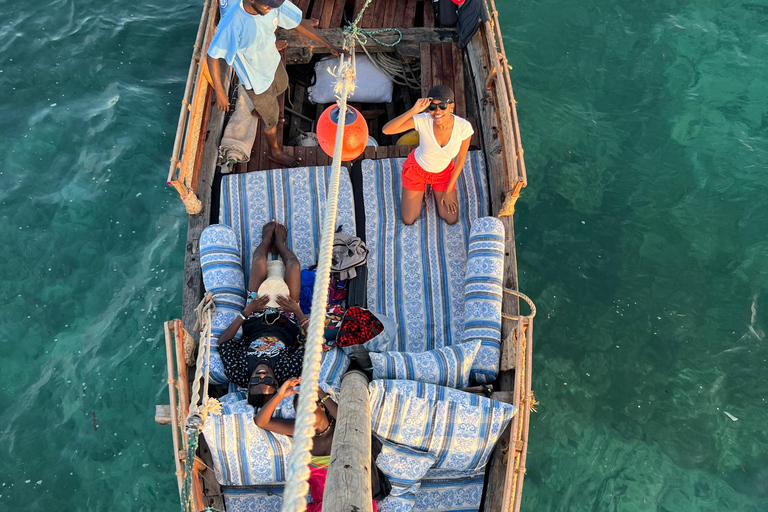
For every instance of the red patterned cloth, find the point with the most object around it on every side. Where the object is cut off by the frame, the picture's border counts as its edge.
(359, 325)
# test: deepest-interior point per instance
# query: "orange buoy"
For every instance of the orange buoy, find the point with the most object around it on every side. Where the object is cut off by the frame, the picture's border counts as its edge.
(355, 132)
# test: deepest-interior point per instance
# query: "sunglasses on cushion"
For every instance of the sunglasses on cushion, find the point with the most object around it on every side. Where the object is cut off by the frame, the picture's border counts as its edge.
(258, 379)
(442, 105)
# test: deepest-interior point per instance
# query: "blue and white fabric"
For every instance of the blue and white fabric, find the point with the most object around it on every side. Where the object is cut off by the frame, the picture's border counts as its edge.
(404, 467)
(247, 42)
(403, 503)
(295, 197)
(223, 277)
(459, 434)
(416, 273)
(335, 363)
(244, 454)
(483, 295)
(260, 498)
(447, 366)
(450, 491)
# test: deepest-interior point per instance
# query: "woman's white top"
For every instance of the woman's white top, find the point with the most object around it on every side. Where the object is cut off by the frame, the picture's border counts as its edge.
(429, 155)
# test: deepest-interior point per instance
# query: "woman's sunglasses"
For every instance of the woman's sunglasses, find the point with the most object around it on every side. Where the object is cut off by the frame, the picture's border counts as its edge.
(442, 105)
(258, 379)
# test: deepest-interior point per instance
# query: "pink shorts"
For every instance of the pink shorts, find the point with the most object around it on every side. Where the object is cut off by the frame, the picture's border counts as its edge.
(416, 178)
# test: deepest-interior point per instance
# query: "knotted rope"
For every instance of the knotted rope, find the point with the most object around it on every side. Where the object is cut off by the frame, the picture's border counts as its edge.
(197, 415)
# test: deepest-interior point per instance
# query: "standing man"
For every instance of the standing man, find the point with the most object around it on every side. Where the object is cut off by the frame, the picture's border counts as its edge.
(245, 39)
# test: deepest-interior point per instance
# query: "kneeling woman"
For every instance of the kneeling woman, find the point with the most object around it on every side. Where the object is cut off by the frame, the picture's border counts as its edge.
(439, 158)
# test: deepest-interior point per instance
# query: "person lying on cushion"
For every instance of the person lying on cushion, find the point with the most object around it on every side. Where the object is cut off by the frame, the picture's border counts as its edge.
(439, 158)
(271, 350)
(325, 426)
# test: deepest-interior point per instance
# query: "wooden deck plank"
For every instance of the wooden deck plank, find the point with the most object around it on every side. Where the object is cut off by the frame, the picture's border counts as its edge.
(446, 66)
(300, 152)
(367, 19)
(338, 14)
(458, 66)
(304, 6)
(254, 162)
(317, 10)
(369, 153)
(429, 14)
(390, 14)
(409, 18)
(381, 152)
(327, 13)
(435, 58)
(426, 68)
(378, 16)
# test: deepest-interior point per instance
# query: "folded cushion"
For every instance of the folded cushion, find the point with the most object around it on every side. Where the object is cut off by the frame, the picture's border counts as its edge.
(244, 454)
(459, 434)
(404, 467)
(447, 366)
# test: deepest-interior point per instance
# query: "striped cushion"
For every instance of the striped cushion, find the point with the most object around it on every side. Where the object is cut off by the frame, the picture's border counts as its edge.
(244, 454)
(223, 277)
(416, 273)
(483, 294)
(444, 490)
(253, 499)
(447, 366)
(403, 466)
(295, 197)
(460, 434)
(335, 363)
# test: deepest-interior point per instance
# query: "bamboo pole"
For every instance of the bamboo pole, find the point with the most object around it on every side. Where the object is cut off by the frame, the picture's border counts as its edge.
(348, 486)
(528, 403)
(511, 96)
(172, 396)
(188, 92)
(181, 371)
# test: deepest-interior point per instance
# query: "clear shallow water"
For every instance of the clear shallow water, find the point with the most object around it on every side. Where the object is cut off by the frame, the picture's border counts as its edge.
(641, 237)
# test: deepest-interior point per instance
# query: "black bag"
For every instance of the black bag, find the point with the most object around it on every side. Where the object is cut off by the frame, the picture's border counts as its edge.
(446, 13)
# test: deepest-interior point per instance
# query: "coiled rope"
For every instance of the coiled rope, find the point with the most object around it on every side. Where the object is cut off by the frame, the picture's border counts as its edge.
(400, 73)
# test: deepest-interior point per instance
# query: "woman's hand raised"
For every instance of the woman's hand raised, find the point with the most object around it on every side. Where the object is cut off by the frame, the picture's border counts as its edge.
(421, 105)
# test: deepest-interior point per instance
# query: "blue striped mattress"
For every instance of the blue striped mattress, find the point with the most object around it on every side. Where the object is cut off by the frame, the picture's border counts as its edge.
(295, 197)
(416, 273)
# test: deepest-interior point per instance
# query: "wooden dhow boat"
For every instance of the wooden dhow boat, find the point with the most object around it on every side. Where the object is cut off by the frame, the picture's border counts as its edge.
(422, 54)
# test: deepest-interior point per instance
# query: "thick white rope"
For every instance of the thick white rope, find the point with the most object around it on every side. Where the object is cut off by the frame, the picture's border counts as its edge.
(196, 416)
(296, 487)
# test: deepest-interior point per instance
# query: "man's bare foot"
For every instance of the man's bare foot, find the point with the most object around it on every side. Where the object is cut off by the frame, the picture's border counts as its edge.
(281, 158)
(281, 235)
(267, 234)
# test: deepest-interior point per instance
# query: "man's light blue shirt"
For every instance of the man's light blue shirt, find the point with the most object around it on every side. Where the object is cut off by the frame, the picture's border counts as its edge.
(247, 42)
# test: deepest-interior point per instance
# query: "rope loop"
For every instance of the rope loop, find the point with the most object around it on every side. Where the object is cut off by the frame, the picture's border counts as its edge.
(525, 298)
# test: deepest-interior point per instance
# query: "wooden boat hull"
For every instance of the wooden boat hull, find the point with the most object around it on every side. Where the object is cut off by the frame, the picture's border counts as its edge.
(489, 100)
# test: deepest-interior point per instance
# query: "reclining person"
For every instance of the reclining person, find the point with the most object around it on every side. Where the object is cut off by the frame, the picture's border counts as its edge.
(325, 426)
(271, 350)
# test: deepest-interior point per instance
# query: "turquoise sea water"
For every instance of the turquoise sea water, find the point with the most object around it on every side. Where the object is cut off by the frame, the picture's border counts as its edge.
(641, 237)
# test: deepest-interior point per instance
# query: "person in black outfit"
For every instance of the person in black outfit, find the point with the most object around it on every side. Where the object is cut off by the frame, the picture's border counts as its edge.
(271, 350)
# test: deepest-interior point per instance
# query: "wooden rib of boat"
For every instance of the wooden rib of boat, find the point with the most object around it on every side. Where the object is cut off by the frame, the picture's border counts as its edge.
(479, 76)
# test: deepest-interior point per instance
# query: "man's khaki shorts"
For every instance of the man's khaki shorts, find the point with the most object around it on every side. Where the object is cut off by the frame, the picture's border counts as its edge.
(265, 103)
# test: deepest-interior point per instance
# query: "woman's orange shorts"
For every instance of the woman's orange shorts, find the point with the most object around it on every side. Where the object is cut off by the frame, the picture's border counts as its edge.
(416, 178)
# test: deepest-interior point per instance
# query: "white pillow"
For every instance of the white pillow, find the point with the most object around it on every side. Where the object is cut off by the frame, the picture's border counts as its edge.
(373, 86)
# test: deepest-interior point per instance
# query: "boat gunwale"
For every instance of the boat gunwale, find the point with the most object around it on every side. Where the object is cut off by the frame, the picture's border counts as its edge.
(516, 179)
